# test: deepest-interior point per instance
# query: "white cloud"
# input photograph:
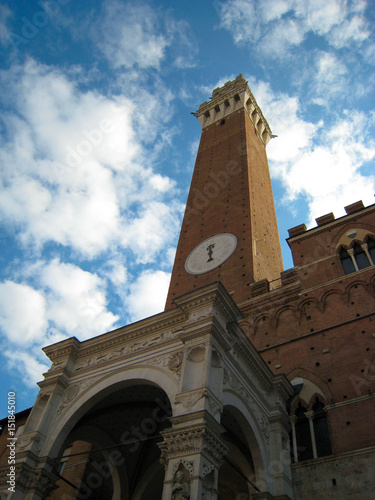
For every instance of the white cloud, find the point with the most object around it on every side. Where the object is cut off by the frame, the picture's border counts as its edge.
(154, 227)
(129, 36)
(5, 14)
(147, 294)
(321, 15)
(73, 164)
(76, 300)
(135, 35)
(27, 365)
(279, 25)
(321, 162)
(240, 18)
(64, 301)
(287, 33)
(329, 78)
(23, 313)
(115, 270)
(60, 160)
(293, 133)
(353, 30)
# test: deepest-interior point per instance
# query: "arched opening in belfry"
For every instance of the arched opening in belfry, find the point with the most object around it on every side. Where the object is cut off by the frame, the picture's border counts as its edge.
(112, 451)
(237, 474)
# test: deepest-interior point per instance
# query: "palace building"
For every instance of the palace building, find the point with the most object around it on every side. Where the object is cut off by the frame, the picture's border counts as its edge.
(255, 382)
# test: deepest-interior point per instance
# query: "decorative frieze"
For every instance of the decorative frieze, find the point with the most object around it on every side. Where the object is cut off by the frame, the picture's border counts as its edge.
(126, 350)
(195, 440)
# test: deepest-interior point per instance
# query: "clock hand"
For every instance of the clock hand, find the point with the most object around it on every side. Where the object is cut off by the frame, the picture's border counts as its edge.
(210, 252)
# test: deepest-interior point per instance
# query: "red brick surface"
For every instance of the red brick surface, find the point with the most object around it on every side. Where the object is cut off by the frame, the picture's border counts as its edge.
(230, 192)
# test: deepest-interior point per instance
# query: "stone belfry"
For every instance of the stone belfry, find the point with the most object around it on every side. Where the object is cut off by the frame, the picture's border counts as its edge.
(229, 231)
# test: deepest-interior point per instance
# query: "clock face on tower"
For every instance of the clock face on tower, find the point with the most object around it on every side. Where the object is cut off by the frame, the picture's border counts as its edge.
(211, 253)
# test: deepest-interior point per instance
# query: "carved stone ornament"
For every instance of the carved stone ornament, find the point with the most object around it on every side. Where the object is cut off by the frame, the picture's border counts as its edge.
(234, 383)
(35, 480)
(32, 439)
(189, 466)
(180, 487)
(188, 400)
(126, 350)
(58, 364)
(173, 362)
(196, 354)
(214, 404)
(71, 393)
(43, 483)
(207, 470)
(197, 440)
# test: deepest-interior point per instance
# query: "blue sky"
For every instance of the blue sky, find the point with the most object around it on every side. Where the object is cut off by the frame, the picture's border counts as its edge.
(97, 146)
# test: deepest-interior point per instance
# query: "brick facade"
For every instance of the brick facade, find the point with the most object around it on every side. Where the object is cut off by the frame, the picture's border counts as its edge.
(226, 401)
(316, 324)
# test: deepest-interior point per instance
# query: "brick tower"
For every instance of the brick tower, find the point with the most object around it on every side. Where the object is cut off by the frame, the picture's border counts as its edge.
(229, 232)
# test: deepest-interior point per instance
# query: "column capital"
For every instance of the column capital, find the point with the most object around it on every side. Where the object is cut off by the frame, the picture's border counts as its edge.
(193, 440)
(37, 480)
(310, 414)
(293, 420)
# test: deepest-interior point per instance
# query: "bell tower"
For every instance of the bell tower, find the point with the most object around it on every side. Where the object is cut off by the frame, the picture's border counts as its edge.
(229, 231)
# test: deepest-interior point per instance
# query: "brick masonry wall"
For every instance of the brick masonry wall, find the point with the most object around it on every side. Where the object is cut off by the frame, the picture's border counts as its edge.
(224, 196)
(325, 334)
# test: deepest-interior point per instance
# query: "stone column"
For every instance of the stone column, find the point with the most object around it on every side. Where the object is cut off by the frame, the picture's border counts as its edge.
(34, 482)
(351, 254)
(293, 420)
(193, 445)
(278, 469)
(310, 417)
(364, 247)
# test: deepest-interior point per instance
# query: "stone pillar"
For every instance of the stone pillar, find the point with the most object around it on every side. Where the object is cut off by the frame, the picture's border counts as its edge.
(279, 466)
(310, 417)
(194, 446)
(364, 247)
(34, 482)
(293, 420)
(351, 254)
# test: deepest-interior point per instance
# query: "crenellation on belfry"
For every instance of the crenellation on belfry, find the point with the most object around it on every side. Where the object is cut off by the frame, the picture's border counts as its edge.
(229, 98)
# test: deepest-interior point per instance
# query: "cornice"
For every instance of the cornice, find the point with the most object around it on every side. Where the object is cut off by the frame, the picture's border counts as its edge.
(215, 294)
(125, 334)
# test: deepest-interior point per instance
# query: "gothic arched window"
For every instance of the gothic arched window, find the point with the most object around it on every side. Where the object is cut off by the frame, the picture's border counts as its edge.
(371, 249)
(321, 430)
(358, 257)
(303, 434)
(310, 433)
(346, 262)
